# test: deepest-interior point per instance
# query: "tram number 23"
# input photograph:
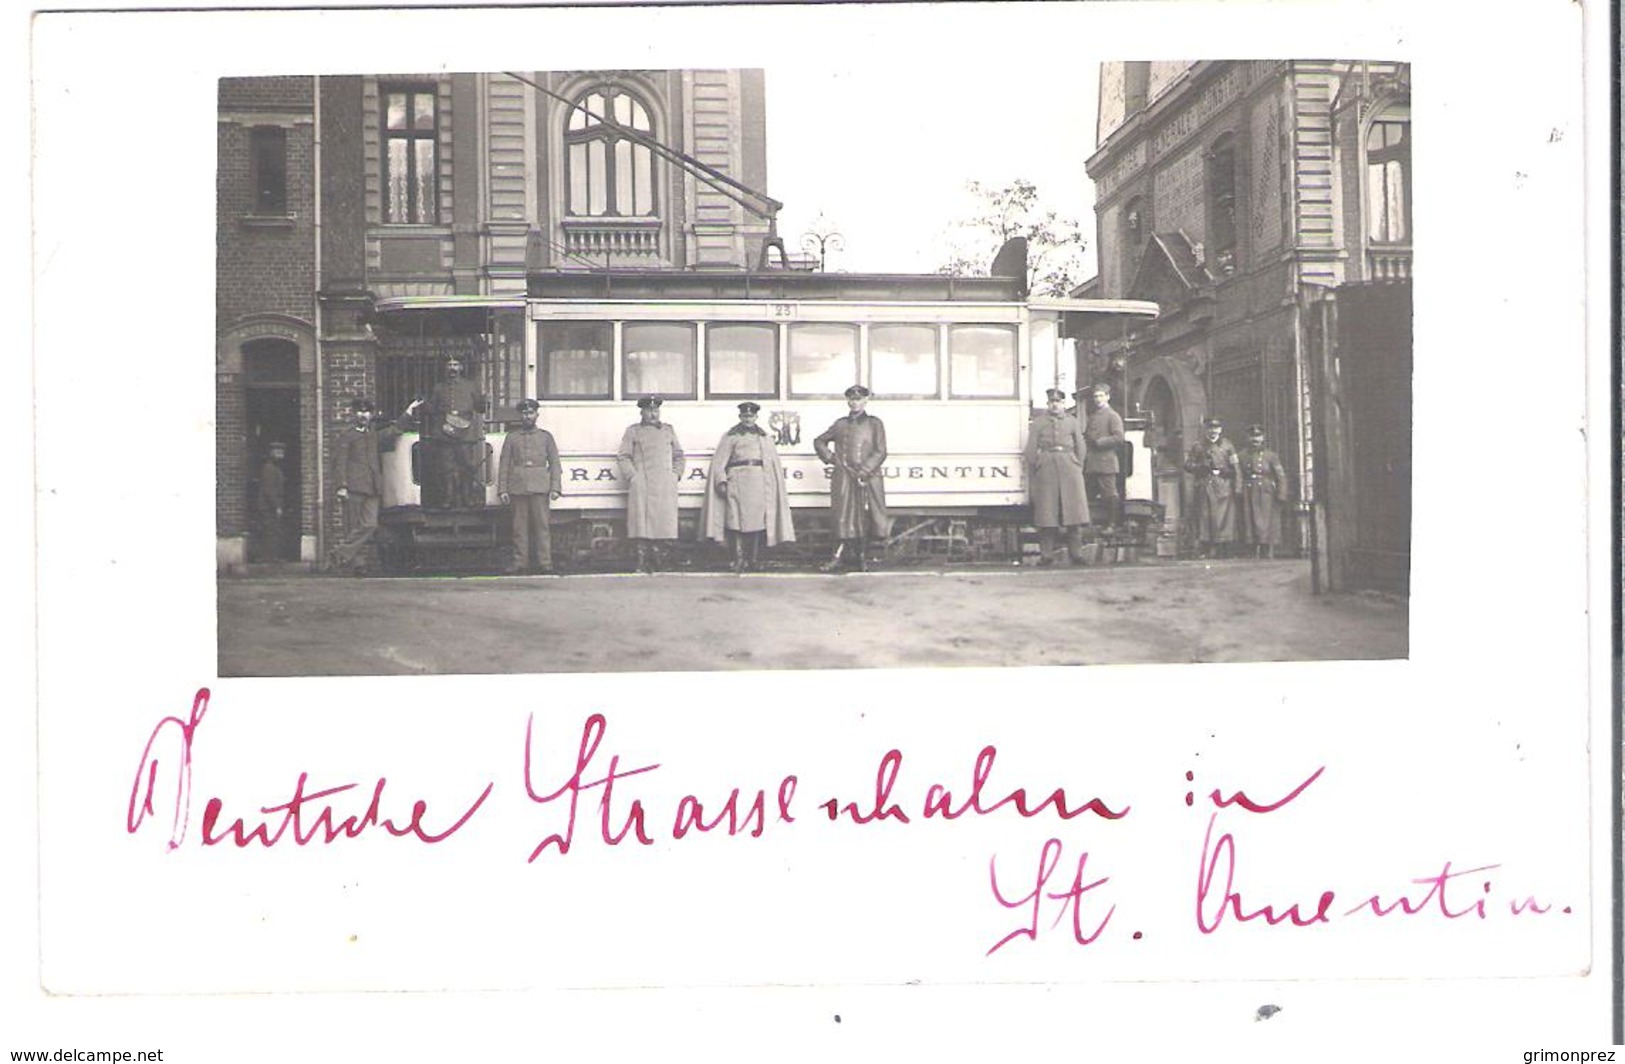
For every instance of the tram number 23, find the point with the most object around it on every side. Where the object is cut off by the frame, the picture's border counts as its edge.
(782, 310)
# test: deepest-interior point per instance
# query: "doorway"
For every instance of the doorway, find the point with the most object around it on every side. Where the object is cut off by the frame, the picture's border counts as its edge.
(271, 407)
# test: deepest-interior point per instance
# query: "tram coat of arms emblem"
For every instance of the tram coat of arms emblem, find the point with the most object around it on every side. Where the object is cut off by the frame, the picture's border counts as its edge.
(786, 426)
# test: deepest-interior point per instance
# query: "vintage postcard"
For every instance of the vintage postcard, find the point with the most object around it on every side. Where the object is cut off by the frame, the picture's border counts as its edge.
(858, 531)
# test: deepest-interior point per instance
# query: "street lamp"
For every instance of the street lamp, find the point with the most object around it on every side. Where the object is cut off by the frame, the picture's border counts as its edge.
(822, 239)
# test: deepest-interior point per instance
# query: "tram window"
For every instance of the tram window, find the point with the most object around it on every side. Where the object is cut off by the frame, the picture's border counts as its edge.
(982, 361)
(742, 361)
(823, 359)
(903, 361)
(658, 359)
(576, 359)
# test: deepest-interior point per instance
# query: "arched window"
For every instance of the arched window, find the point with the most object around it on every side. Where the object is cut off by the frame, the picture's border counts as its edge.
(1221, 206)
(610, 173)
(1388, 178)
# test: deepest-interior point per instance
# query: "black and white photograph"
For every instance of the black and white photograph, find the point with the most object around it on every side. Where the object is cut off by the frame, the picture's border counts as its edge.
(805, 532)
(540, 359)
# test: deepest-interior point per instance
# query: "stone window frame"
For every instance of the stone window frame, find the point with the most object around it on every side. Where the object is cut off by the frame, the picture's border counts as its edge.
(582, 131)
(412, 90)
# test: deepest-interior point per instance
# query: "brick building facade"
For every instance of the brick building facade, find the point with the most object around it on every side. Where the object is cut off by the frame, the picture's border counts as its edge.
(406, 236)
(1236, 194)
(265, 312)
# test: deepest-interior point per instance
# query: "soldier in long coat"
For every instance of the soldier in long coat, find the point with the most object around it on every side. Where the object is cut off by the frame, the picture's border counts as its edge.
(1213, 465)
(1055, 457)
(651, 462)
(747, 505)
(1103, 432)
(530, 480)
(359, 472)
(855, 449)
(1263, 491)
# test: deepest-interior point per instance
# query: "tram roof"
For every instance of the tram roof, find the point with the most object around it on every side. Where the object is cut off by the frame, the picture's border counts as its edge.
(770, 284)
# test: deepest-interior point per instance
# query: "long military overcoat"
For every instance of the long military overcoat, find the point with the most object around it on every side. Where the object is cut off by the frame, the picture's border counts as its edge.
(1055, 457)
(855, 447)
(1263, 490)
(746, 488)
(650, 460)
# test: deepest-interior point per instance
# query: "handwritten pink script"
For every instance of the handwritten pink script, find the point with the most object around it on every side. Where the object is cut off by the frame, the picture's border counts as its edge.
(599, 800)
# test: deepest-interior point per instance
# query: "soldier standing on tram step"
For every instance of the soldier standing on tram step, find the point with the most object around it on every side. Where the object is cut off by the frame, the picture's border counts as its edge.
(529, 479)
(1214, 464)
(361, 480)
(1055, 458)
(1103, 432)
(1263, 491)
(746, 504)
(650, 460)
(855, 448)
(455, 424)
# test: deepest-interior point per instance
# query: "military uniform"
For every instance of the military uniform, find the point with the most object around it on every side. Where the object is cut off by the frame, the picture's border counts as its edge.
(1103, 432)
(454, 428)
(528, 472)
(1263, 490)
(856, 448)
(650, 461)
(361, 478)
(272, 499)
(1055, 458)
(746, 504)
(1213, 465)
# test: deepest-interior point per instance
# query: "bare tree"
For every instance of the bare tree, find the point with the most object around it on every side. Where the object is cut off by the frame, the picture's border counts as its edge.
(1055, 244)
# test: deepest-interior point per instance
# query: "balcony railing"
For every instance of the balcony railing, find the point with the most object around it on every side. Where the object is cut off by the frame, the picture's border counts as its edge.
(617, 239)
(1390, 262)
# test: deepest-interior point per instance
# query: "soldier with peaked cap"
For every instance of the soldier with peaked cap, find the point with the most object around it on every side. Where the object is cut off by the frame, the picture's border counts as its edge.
(1103, 433)
(358, 468)
(746, 504)
(1055, 456)
(530, 480)
(651, 462)
(1213, 464)
(454, 423)
(855, 449)
(1263, 489)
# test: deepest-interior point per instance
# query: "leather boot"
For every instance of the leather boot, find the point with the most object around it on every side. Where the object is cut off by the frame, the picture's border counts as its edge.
(753, 550)
(834, 563)
(1046, 546)
(1074, 544)
(737, 540)
(863, 555)
(643, 557)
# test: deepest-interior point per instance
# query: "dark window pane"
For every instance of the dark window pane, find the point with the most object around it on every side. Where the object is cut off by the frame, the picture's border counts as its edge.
(270, 171)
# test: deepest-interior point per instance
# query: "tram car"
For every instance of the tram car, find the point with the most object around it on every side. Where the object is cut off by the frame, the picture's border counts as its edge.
(957, 367)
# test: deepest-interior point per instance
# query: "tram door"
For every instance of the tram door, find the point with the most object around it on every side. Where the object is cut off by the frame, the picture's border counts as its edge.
(271, 369)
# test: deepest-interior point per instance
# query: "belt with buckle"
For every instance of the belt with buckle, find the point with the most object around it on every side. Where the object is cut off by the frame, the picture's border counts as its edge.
(744, 462)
